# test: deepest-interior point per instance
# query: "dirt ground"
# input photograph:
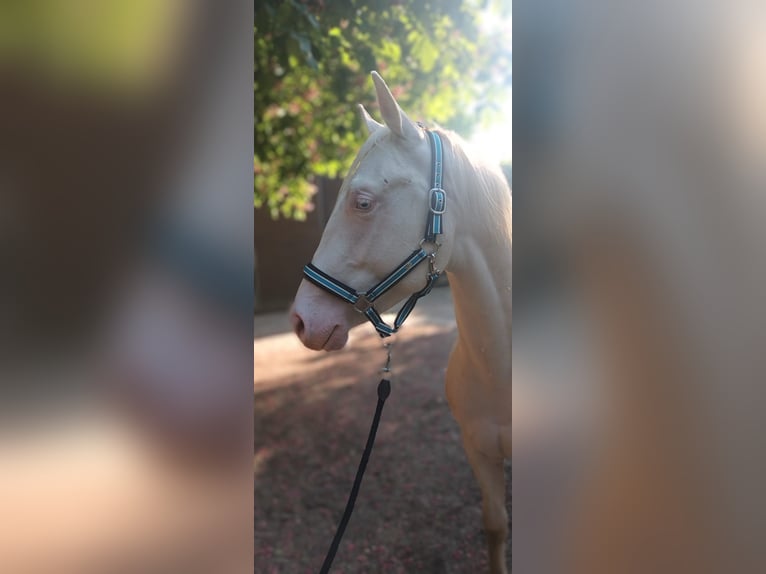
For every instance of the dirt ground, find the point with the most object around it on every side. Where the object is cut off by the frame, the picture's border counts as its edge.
(419, 507)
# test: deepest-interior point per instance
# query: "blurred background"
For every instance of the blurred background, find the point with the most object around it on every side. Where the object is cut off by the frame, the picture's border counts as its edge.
(129, 260)
(640, 171)
(125, 286)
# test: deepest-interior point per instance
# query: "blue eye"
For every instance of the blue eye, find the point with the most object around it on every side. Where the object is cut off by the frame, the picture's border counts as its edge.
(363, 203)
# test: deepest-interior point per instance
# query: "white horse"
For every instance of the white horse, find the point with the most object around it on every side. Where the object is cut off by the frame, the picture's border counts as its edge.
(378, 219)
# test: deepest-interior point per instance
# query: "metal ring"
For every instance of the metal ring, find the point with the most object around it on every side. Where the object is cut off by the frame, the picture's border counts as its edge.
(436, 243)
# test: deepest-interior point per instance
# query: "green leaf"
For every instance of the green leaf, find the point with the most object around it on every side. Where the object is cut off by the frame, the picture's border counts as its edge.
(304, 44)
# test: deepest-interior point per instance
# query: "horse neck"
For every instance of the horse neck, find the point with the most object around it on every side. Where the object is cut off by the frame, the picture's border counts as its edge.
(480, 272)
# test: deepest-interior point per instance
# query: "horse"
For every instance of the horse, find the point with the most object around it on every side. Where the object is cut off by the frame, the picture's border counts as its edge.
(377, 219)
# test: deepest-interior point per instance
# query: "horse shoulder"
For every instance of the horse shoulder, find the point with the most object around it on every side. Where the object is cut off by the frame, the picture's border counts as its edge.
(481, 403)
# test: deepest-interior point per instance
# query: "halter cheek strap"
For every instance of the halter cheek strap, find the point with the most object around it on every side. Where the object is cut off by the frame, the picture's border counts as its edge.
(363, 302)
(437, 199)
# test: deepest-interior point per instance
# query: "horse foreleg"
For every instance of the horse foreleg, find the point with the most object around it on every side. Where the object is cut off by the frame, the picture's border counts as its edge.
(490, 475)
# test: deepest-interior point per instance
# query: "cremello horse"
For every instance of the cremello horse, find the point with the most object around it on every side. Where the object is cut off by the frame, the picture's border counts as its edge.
(378, 219)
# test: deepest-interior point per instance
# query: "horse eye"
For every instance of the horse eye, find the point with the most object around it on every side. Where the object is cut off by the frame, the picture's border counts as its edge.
(363, 203)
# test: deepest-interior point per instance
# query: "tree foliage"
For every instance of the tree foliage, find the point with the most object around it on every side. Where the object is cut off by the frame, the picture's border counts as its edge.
(312, 64)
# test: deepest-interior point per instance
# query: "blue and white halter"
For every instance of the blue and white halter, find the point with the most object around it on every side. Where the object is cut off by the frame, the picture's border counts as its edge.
(363, 302)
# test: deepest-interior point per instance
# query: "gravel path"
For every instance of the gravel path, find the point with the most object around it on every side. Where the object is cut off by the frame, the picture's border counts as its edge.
(419, 507)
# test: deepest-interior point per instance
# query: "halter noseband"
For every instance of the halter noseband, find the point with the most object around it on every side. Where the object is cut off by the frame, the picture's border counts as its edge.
(363, 302)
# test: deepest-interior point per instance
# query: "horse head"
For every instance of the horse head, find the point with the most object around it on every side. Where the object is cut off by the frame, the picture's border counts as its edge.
(378, 220)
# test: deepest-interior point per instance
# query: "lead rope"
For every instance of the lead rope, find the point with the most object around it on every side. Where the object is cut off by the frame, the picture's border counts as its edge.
(384, 389)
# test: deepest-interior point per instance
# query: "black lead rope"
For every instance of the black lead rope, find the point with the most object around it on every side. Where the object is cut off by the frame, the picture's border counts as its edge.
(384, 389)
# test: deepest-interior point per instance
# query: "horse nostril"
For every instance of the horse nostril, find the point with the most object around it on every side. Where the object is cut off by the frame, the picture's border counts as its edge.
(298, 325)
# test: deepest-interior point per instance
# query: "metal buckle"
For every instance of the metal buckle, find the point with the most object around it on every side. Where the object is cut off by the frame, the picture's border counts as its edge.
(441, 196)
(362, 303)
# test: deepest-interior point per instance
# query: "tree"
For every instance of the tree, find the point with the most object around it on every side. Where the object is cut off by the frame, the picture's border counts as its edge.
(312, 63)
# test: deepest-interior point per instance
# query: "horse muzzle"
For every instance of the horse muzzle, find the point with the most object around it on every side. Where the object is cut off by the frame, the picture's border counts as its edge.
(318, 319)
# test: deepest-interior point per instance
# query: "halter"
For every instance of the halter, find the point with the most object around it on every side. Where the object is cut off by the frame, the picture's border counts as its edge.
(364, 301)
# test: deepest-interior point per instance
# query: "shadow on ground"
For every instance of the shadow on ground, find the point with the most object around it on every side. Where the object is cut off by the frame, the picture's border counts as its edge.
(419, 507)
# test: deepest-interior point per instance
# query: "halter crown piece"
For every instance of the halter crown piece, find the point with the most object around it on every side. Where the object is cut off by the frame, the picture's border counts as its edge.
(363, 302)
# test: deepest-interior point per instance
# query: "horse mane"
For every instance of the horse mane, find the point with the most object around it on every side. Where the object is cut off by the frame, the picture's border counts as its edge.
(482, 186)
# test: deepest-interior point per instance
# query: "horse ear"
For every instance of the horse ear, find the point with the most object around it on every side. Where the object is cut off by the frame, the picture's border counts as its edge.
(372, 125)
(396, 120)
